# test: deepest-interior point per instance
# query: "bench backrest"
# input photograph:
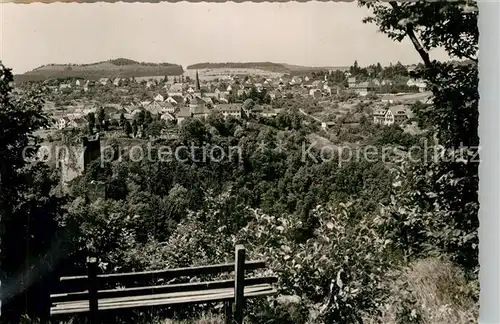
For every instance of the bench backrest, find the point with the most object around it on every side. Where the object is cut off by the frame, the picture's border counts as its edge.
(93, 287)
(147, 282)
(146, 278)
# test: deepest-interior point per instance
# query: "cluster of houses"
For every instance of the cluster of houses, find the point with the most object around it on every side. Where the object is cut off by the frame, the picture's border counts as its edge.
(177, 100)
(220, 88)
(365, 88)
(168, 111)
(181, 98)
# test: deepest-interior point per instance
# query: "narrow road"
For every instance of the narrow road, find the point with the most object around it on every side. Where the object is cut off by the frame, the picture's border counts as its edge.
(311, 116)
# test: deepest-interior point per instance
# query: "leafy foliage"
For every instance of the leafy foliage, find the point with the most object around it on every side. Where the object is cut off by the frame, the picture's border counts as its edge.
(28, 209)
(437, 204)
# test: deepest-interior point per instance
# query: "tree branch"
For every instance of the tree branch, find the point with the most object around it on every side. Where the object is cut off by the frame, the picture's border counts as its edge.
(416, 43)
(475, 60)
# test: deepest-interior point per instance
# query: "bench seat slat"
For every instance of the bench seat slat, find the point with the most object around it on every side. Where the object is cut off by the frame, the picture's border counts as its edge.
(150, 290)
(160, 296)
(215, 295)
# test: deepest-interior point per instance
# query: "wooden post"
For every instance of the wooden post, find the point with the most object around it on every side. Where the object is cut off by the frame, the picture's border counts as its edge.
(239, 284)
(228, 312)
(92, 286)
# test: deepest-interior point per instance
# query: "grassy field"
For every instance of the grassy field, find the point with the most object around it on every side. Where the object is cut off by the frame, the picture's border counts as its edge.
(217, 73)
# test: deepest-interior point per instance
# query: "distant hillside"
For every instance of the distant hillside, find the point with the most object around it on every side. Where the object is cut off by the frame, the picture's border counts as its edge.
(268, 66)
(118, 68)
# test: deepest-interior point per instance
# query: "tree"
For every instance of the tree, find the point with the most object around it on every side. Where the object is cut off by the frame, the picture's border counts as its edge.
(98, 125)
(128, 128)
(155, 127)
(254, 94)
(134, 127)
(248, 105)
(105, 124)
(91, 122)
(148, 119)
(122, 120)
(442, 197)
(140, 117)
(101, 114)
(354, 69)
(27, 208)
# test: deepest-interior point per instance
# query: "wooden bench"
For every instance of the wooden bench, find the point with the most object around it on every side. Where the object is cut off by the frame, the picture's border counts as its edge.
(99, 292)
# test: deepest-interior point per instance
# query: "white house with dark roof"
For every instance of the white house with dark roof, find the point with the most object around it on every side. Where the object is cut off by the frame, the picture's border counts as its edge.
(392, 115)
(315, 93)
(351, 82)
(168, 107)
(61, 123)
(175, 90)
(200, 111)
(155, 107)
(364, 88)
(158, 97)
(268, 111)
(379, 116)
(166, 116)
(171, 101)
(230, 110)
(419, 83)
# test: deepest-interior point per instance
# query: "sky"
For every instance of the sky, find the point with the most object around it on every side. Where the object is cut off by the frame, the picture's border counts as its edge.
(310, 34)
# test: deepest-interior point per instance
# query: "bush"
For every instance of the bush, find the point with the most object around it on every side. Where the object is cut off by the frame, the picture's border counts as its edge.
(337, 272)
(428, 291)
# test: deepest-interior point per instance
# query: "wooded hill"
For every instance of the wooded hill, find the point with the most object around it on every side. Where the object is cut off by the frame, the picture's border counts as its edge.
(117, 68)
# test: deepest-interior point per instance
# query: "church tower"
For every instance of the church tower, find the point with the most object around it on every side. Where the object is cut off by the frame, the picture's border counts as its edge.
(197, 82)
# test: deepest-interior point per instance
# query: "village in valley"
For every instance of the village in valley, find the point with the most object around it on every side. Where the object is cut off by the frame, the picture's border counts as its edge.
(328, 96)
(139, 108)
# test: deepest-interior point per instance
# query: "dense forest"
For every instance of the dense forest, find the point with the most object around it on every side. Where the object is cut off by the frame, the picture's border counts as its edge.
(352, 240)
